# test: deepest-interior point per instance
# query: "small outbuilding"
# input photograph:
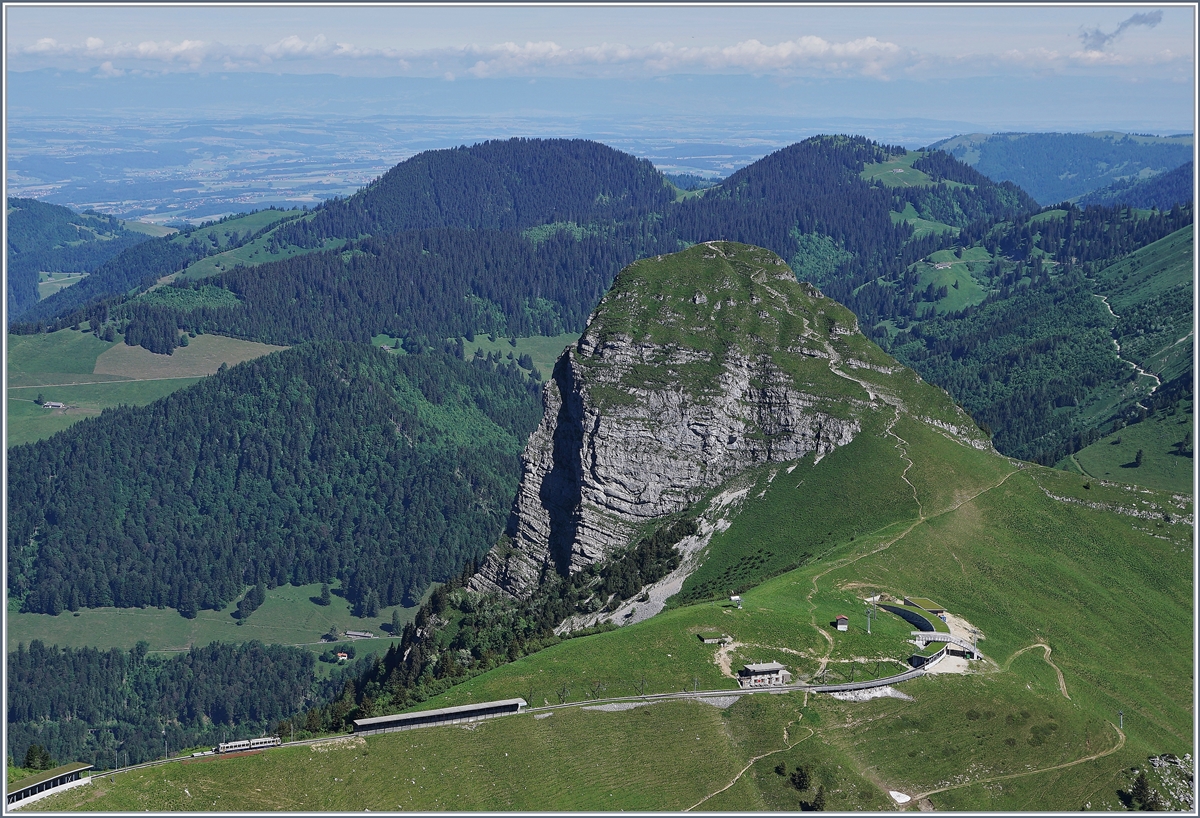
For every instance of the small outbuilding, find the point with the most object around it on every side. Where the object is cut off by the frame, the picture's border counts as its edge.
(765, 674)
(843, 622)
(714, 638)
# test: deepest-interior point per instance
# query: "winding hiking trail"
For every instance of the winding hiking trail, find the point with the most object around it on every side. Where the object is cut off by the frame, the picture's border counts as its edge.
(902, 446)
(754, 761)
(1136, 368)
(1120, 743)
(1062, 685)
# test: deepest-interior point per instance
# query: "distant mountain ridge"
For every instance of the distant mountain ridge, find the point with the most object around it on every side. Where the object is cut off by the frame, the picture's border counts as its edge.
(49, 238)
(1162, 191)
(496, 185)
(1055, 167)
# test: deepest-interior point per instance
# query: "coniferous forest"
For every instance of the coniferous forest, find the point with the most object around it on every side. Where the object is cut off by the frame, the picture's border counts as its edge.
(325, 461)
(88, 704)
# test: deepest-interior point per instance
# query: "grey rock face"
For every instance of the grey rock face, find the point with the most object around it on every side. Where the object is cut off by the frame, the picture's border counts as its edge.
(593, 478)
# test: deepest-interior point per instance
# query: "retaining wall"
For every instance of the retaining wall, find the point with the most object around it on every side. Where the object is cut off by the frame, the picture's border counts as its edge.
(911, 617)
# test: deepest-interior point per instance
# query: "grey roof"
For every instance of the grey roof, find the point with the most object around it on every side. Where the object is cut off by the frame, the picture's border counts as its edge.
(444, 711)
(765, 667)
(34, 780)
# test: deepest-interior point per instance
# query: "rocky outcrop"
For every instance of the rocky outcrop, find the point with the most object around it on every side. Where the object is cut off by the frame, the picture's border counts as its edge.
(638, 427)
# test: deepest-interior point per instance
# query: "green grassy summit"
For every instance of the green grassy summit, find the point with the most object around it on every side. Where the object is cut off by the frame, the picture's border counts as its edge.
(714, 297)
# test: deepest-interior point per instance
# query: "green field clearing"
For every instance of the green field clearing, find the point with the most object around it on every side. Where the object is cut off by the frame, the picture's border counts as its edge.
(220, 235)
(287, 617)
(543, 349)
(202, 356)
(1112, 457)
(50, 283)
(921, 227)
(90, 375)
(897, 172)
(256, 252)
(249, 254)
(148, 229)
(970, 255)
(65, 356)
(28, 422)
(962, 289)
(1047, 216)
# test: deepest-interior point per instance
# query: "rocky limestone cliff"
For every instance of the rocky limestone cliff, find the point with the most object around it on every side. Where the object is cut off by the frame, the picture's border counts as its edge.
(694, 367)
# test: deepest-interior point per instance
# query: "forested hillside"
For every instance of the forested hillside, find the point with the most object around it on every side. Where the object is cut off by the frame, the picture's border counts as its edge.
(434, 283)
(452, 281)
(48, 238)
(1163, 191)
(497, 185)
(1054, 167)
(1033, 359)
(385, 470)
(82, 704)
(140, 266)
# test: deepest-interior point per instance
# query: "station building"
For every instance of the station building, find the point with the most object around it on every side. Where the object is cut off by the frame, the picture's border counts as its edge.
(765, 674)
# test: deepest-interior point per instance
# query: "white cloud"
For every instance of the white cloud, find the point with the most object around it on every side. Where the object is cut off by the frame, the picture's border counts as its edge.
(46, 45)
(866, 56)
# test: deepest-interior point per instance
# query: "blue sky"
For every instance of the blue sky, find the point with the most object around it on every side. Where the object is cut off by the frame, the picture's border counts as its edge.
(1044, 67)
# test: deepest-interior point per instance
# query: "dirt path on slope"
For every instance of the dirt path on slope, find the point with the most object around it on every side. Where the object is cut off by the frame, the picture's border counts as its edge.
(1120, 743)
(754, 761)
(1062, 684)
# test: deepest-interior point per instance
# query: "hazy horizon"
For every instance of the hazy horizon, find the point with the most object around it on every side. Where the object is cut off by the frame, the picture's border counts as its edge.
(107, 106)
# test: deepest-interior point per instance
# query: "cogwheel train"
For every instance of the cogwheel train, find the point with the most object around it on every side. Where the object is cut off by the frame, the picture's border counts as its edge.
(247, 744)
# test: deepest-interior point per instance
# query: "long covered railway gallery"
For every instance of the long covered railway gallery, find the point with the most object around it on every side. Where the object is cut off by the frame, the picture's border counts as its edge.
(445, 715)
